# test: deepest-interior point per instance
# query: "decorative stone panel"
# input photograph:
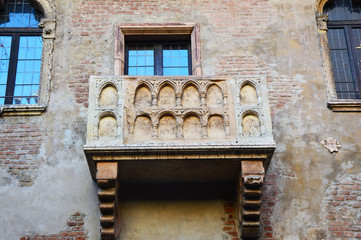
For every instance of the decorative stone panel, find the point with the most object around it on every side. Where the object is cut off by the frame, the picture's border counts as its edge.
(105, 117)
(125, 110)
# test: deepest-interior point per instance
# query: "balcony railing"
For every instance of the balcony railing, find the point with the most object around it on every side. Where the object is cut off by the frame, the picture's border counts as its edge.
(182, 111)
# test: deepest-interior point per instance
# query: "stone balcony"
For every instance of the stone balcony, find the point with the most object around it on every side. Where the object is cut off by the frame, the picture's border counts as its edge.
(179, 129)
(127, 111)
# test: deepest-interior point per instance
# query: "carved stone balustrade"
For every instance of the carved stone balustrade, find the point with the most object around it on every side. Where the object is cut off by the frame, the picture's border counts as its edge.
(179, 129)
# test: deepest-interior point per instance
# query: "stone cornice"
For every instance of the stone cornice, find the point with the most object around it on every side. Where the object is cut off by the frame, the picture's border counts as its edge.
(340, 105)
(22, 110)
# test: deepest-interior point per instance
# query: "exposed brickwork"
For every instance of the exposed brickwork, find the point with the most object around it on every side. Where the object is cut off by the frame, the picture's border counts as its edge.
(91, 22)
(269, 200)
(342, 205)
(282, 89)
(20, 144)
(224, 16)
(230, 225)
(74, 231)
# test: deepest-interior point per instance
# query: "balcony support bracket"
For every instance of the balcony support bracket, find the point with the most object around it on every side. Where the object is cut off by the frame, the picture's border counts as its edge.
(251, 182)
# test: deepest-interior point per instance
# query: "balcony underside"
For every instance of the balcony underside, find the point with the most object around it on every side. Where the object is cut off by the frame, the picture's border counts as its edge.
(178, 164)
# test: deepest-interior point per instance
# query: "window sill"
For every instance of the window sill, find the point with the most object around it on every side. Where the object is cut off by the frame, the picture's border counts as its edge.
(347, 105)
(21, 110)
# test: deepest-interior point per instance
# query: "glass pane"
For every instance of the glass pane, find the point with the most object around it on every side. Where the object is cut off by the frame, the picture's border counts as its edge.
(141, 71)
(2, 89)
(184, 71)
(343, 10)
(30, 47)
(28, 70)
(132, 71)
(141, 59)
(175, 59)
(341, 63)
(5, 47)
(175, 71)
(132, 61)
(149, 71)
(19, 14)
(149, 60)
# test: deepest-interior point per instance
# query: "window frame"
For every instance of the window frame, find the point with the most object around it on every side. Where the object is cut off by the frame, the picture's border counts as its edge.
(125, 29)
(334, 103)
(158, 54)
(47, 28)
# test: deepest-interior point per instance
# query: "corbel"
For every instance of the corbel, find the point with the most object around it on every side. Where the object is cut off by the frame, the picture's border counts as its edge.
(251, 181)
(48, 25)
(322, 22)
(107, 173)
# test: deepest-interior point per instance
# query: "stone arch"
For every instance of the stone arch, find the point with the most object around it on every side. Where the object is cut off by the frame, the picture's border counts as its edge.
(192, 126)
(190, 95)
(142, 128)
(107, 125)
(216, 127)
(143, 96)
(44, 6)
(167, 127)
(251, 124)
(108, 95)
(166, 96)
(248, 94)
(214, 96)
(320, 4)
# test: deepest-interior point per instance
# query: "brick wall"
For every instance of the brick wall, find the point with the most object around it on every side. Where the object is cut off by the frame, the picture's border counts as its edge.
(230, 225)
(91, 26)
(282, 89)
(74, 231)
(342, 206)
(269, 200)
(20, 144)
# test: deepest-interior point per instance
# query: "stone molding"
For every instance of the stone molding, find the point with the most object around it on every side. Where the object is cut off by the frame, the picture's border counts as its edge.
(124, 29)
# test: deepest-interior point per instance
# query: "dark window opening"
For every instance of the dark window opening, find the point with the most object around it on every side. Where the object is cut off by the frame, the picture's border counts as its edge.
(20, 53)
(168, 55)
(344, 35)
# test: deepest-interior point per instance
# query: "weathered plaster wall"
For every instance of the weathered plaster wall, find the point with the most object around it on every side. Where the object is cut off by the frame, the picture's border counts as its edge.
(276, 38)
(162, 220)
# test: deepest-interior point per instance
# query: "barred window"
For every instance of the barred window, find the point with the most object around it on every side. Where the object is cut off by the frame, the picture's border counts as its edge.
(344, 35)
